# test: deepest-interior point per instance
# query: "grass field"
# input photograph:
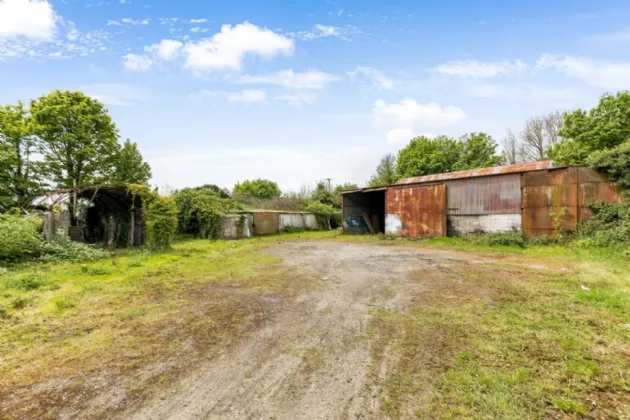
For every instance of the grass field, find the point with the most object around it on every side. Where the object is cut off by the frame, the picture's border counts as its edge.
(536, 332)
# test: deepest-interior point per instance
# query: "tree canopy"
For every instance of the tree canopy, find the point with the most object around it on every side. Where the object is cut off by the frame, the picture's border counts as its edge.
(78, 139)
(478, 150)
(425, 156)
(129, 166)
(603, 127)
(385, 172)
(258, 188)
(20, 175)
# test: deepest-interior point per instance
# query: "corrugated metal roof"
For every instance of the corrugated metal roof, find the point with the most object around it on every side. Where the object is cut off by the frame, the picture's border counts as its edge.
(474, 173)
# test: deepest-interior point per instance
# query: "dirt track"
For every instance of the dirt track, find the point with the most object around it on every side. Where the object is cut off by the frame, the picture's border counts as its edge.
(312, 361)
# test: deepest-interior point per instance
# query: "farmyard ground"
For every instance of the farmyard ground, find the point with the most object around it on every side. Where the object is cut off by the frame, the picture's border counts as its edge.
(319, 325)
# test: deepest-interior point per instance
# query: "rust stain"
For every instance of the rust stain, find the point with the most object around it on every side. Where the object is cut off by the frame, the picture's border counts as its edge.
(421, 210)
(265, 223)
(498, 170)
(559, 191)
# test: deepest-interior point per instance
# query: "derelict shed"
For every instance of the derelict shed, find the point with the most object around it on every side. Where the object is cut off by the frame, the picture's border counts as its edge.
(534, 198)
(108, 215)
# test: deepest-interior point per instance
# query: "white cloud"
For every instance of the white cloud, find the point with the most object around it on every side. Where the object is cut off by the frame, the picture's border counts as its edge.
(312, 80)
(134, 22)
(598, 73)
(248, 96)
(621, 36)
(477, 70)
(198, 20)
(523, 91)
(371, 76)
(33, 19)
(167, 49)
(318, 31)
(297, 99)
(136, 62)
(409, 113)
(228, 48)
(399, 135)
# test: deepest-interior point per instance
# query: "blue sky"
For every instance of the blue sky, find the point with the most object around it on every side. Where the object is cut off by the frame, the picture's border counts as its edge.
(296, 91)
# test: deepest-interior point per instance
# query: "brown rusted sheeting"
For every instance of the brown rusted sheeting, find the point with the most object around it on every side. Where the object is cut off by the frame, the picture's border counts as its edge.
(565, 192)
(549, 201)
(265, 223)
(487, 195)
(420, 211)
(497, 170)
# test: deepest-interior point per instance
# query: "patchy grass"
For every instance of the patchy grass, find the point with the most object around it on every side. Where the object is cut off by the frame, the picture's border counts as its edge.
(534, 332)
(61, 324)
(543, 333)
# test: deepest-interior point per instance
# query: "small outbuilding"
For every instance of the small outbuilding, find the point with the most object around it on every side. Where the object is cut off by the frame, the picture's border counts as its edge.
(105, 215)
(534, 198)
(266, 222)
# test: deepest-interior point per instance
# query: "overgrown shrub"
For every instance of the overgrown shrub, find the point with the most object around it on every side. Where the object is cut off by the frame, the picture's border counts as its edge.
(201, 211)
(63, 248)
(610, 226)
(322, 211)
(616, 163)
(20, 237)
(160, 215)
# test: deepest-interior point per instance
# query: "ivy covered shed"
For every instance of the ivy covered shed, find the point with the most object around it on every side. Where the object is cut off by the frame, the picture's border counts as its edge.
(110, 216)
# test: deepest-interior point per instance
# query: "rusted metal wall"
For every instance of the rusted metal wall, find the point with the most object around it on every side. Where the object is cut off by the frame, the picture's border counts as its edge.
(549, 201)
(488, 195)
(265, 223)
(416, 211)
(560, 197)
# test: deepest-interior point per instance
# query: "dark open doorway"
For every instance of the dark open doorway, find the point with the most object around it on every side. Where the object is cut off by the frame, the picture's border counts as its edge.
(364, 211)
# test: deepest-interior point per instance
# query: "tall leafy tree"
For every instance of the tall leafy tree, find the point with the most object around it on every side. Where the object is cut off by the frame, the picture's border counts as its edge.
(425, 156)
(130, 167)
(478, 150)
(385, 172)
(20, 177)
(78, 139)
(258, 188)
(323, 194)
(603, 127)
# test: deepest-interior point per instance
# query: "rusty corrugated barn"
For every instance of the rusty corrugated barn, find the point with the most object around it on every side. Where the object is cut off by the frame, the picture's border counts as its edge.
(529, 197)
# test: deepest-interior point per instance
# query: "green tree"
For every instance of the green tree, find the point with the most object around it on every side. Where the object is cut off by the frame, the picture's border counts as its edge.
(20, 177)
(615, 162)
(130, 167)
(425, 156)
(78, 139)
(322, 194)
(258, 188)
(478, 150)
(385, 172)
(603, 127)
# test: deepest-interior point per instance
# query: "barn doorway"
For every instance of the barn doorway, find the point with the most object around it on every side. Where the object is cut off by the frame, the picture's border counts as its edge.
(364, 211)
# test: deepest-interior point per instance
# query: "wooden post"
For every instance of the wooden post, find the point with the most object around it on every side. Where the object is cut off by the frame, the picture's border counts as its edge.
(49, 226)
(111, 231)
(131, 229)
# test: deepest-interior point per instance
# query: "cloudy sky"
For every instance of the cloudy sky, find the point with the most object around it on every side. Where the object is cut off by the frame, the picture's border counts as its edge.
(295, 91)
